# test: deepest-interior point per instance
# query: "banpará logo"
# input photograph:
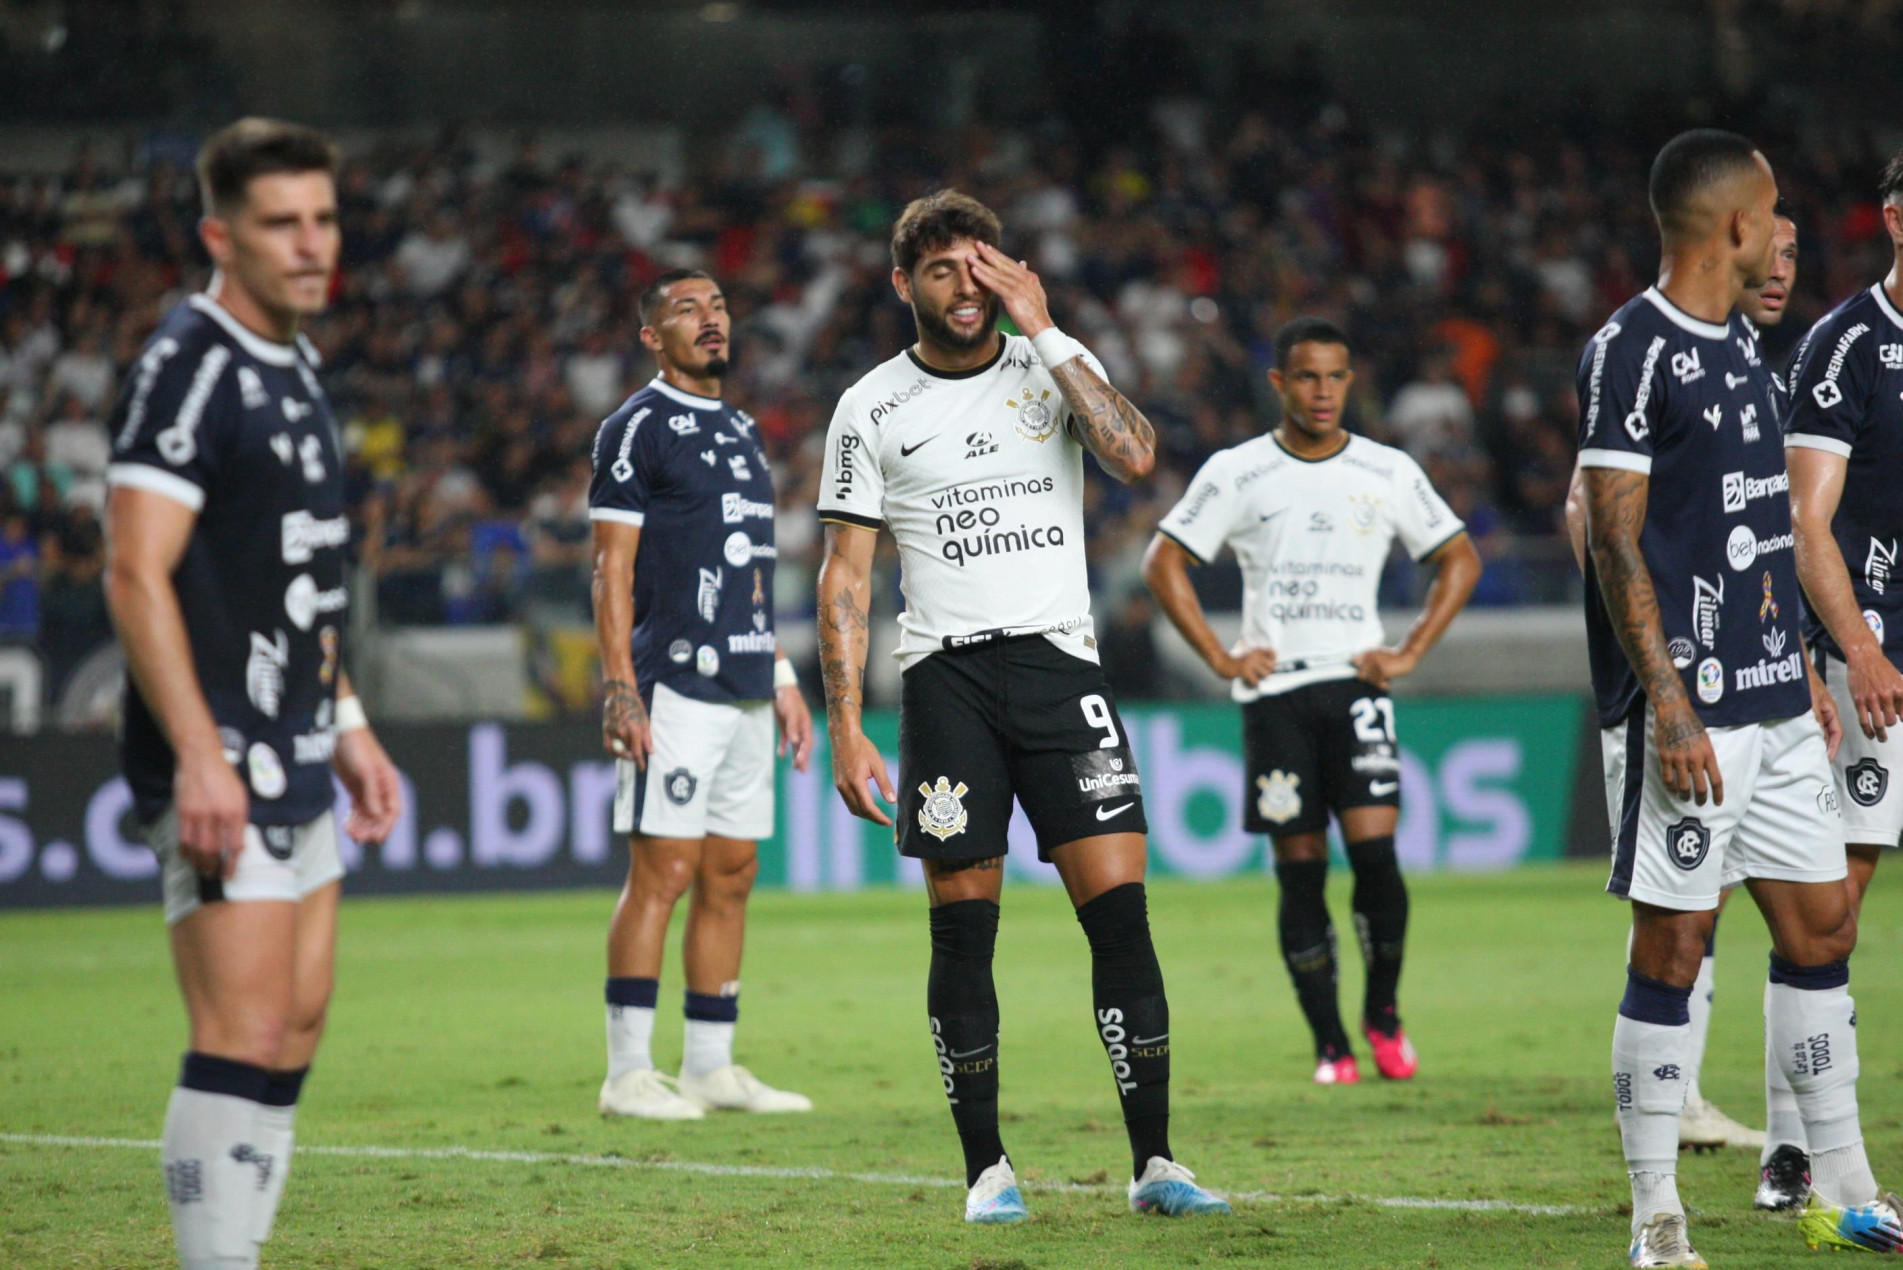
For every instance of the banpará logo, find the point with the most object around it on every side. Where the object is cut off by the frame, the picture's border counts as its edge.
(1036, 420)
(736, 507)
(1277, 800)
(1687, 843)
(679, 786)
(1866, 781)
(942, 814)
(1740, 489)
(302, 535)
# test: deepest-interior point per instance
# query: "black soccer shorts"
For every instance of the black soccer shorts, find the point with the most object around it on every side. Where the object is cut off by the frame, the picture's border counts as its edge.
(1312, 750)
(1013, 717)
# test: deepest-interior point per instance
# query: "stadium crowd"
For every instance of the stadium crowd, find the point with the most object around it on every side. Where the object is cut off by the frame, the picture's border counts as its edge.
(484, 323)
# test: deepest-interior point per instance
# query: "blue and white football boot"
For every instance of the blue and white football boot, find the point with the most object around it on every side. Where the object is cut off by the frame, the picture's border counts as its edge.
(994, 1198)
(1169, 1190)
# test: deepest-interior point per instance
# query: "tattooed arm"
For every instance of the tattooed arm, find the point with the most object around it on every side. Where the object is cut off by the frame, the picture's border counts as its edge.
(845, 621)
(1107, 424)
(1615, 515)
(624, 720)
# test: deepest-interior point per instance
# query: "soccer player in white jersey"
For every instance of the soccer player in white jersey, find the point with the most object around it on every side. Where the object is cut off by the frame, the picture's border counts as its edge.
(1311, 511)
(1702, 1126)
(226, 536)
(970, 446)
(694, 683)
(1717, 735)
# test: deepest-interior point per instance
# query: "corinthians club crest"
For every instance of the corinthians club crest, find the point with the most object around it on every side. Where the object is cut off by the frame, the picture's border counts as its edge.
(1276, 799)
(1036, 420)
(941, 814)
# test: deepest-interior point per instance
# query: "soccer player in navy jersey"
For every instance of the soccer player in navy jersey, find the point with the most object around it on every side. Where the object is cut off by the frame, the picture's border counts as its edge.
(1843, 440)
(225, 537)
(694, 680)
(1716, 735)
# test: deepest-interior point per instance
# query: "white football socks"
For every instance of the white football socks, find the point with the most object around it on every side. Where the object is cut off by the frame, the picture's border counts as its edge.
(211, 1156)
(1700, 1008)
(630, 1031)
(1649, 1041)
(1809, 1019)
(1783, 1123)
(708, 1047)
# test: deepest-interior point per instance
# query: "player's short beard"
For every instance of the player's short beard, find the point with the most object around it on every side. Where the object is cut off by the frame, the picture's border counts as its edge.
(715, 368)
(934, 329)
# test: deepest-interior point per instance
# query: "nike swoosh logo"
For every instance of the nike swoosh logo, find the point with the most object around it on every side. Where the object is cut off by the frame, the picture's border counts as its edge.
(968, 1053)
(905, 451)
(1271, 516)
(1380, 789)
(1105, 813)
(1149, 1040)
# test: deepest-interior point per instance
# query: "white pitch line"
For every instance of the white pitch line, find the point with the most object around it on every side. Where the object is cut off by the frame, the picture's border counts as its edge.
(812, 1174)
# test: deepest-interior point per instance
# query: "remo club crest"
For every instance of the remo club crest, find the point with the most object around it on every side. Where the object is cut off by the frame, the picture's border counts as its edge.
(942, 814)
(1036, 420)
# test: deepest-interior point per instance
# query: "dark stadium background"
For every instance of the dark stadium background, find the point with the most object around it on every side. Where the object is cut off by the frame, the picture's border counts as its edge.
(1459, 184)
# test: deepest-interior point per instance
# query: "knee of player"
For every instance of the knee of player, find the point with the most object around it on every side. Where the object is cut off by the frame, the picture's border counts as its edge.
(256, 1039)
(665, 879)
(727, 886)
(307, 1021)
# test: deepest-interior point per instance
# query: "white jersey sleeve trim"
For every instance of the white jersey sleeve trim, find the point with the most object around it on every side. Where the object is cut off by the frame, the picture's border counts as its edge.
(618, 516)
(1458, 530)
(1811, 441)
(157, 481)
(1624, 460)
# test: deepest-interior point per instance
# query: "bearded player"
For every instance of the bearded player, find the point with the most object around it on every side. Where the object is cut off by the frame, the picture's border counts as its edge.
(970, 446)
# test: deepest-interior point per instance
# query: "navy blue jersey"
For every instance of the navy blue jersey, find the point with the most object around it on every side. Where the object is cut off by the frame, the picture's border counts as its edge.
(690, 472)
(1846, 396)
(235, 427)
(1690, 403)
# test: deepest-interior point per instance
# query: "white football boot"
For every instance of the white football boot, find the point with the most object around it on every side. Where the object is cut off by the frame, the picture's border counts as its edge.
(1702, 1127)
(1662, 1242)
(648, 1094)
(994, 1199)
(734, 1088)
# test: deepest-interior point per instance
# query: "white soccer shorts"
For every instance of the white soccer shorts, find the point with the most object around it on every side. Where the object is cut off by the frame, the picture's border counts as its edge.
(278, 863)
(1779, 819)
(1871, 802)
(711, 771)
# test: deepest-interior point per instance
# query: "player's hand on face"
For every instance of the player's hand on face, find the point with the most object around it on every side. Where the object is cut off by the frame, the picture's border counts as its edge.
(1251, 665)
(212, 808)
(796, 725)
(1825, 708)
(1381, 666)
(371, 780)
(625, 730)
(1687, 763)
(1877, 690)
(1017, 288)
(857, 764)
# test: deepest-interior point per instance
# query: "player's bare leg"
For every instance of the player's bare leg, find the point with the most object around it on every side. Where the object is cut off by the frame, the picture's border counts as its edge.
(1104, 878)
(660, 871)
(235, 971)
(1309, 950)
(716, 932)
(1380, 913)
(1701, 1125)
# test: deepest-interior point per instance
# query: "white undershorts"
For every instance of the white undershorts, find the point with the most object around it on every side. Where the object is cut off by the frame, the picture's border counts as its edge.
(277, 863)
(1871, 802)
(1779, 818)
(711, 771)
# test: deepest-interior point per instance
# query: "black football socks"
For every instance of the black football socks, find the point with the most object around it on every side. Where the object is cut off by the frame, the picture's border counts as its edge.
(1380, 909)
(1308, 949)
(1132, 1015)
(963, 1003)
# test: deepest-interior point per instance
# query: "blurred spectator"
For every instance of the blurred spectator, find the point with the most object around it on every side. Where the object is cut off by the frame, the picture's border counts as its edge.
(19, 581)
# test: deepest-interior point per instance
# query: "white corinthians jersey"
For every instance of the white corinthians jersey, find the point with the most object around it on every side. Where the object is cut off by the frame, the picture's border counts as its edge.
(982, 484)
(1311, 536)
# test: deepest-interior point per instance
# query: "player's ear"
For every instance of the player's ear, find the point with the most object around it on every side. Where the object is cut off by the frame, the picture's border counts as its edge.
(1275, 379)
(215, 233)
(1347, 379)
(651, 339)
(902, 283)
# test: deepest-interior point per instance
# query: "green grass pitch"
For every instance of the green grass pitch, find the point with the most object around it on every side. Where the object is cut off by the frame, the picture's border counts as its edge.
(476, 1023)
